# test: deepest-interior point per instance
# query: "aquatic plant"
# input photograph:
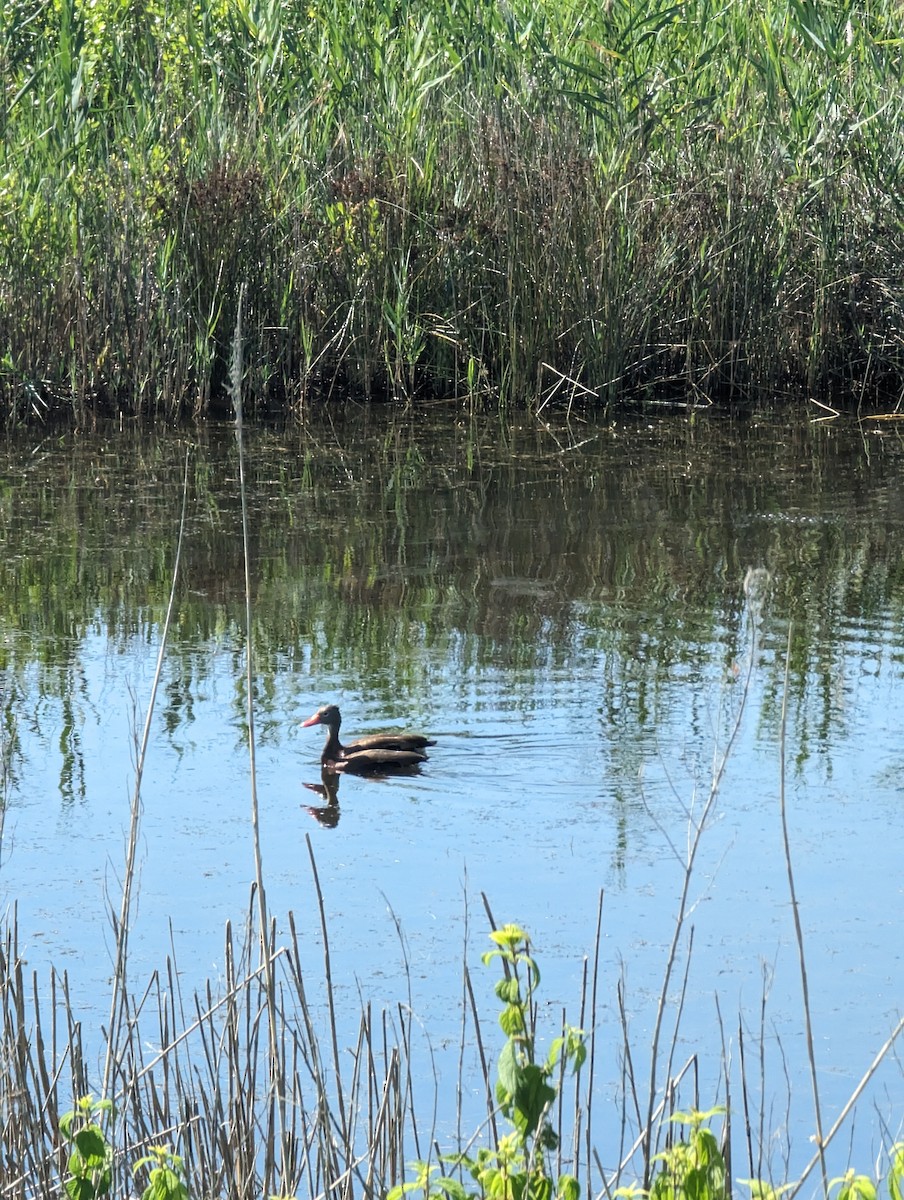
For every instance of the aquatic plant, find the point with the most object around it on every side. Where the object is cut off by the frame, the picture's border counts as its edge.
(561, 205)
(692, 1166)
(90, 1155)
(166, 1175)
(516, 1166)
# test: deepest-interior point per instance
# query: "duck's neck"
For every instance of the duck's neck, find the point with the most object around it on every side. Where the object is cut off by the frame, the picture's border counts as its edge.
(332, 747)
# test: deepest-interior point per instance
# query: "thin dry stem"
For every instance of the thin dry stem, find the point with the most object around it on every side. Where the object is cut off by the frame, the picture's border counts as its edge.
(752, 584)
(277, 1082)
(798, 929)
(123, 924)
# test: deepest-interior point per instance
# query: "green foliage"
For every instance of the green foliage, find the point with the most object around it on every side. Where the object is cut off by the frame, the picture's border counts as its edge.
(895, 1178)
(166, 1176)
(692, 1168)
(453, 196)
(849, 1186)
(91, 1158)
(852, 1186)
(90, 1155)
(517, 1168)
(762, 1189)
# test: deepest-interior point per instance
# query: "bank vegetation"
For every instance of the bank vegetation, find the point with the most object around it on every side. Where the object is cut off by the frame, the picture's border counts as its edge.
(556, 204)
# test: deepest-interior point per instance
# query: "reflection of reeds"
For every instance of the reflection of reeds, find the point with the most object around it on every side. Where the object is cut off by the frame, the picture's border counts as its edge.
(490, 202)
(239, 1081)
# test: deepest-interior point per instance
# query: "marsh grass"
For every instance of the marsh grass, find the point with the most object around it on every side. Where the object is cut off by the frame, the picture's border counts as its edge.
(500, 204)
(196, 1075)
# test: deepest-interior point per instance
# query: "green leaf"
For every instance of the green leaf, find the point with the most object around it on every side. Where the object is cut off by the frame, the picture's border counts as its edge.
(856, 1187)
(696, 1185)
(78, 1188)
(762, 1189)
(508, 936)
(533, 1094)
(509, 1068)
(896, 1171)
(533, 971)
(571, 1046)
(539, 1187)
(165, 1185)
(92, 1146)
(511, 1020)
(569, 1188)
(695, 1118)
(549, 1139)
(508, 991)
(706, 1146)
(452, 1188)
(578, 1053)
(421, 1183)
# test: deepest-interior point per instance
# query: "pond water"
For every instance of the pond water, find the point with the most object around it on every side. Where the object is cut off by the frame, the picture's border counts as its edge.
(564, 609)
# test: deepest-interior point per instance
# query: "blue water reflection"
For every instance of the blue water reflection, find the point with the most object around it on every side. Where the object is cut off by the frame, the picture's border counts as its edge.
(579, 711)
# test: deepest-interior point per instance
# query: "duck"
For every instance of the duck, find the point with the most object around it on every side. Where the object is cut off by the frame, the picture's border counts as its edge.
(375, 754)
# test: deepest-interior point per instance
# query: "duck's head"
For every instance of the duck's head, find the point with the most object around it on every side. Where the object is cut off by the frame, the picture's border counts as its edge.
(327, 715)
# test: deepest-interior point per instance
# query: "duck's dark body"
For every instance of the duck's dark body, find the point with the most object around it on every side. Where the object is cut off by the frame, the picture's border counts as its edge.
(379, 752)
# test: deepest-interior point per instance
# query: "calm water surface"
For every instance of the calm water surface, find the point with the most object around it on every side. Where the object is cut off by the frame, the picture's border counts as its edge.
(564, 610)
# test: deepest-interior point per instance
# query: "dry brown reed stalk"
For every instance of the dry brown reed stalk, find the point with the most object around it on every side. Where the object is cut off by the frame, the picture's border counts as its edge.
(822, 1140)
(629, 1077)
(6, 741)
(484, 1067)
(591, 1050)
(121, 926)
(670, 1090)
(754, 1172)
(203, 1084)
(277, 1082)
(847, 1109)
(798, 930)
(726, 1071)
(463, 1038)
(328, 976)
(757, 1172)
(755, 583)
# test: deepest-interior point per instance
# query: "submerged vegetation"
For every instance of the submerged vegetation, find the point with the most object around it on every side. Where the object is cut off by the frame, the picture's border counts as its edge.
(562, 203)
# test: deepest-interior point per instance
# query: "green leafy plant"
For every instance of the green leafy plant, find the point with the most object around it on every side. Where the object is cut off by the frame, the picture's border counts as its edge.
(90, 1156)
(762, 1189)
(166, 1177)
(694, 1167)
(851, 1186)
(517, 1168)
(895, 1178)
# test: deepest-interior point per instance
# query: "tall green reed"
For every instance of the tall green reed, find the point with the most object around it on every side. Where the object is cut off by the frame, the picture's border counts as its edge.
(450, 198)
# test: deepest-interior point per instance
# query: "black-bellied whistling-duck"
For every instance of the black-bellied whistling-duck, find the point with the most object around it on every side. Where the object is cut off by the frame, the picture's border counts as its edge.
(368, 755)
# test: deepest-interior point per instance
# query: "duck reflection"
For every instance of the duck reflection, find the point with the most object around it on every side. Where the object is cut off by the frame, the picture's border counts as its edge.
(327, 814)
